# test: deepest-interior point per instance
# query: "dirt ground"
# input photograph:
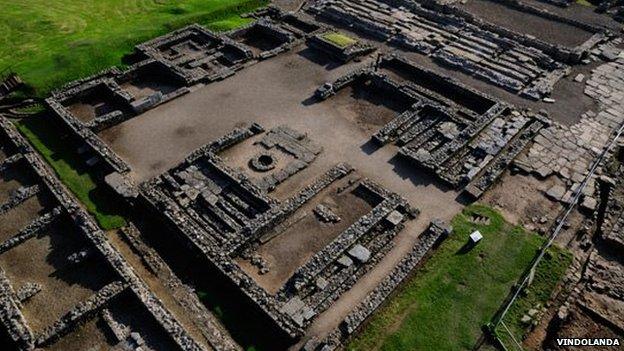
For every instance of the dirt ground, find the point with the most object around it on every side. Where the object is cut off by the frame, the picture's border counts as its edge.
(581, 325)
(579, 12)
(368, 110)
(281, 94)
(156, 140)
(571, 100)
(146, 87)
(19, 217)
(93, 105)
(275, 92)
(160, 138)
(257, 41)
(239, 156)
(550, 31)
(11, 179)
(401, 76)
(43, 260)
(298, 243)
(520, 198)
(93, 336)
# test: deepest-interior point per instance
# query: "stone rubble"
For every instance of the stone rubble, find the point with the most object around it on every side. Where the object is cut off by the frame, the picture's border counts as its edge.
(31, 230)
(9, 312)
(325, 214)
(436, 232)
(185, 191)
(27, 291)
(467, 153)
(453, 37)
(186, 295)
(79, 313)
(293, 143)
(464, 137)
(9, 161)
(568, 151)
(18, 197)
(12, 318)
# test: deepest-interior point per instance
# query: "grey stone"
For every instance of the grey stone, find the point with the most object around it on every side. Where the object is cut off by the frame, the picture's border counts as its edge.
(556, 192)
(395, 218)
(345, 261)
(360, 253)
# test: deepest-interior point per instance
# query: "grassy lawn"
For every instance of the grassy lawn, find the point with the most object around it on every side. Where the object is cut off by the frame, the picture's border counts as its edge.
(339, 39)
(50, 43)
(584, 3)
(456, 292)
(50, 143)
(547, 275)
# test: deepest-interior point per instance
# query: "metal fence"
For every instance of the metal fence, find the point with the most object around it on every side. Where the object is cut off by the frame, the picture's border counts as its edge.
(497, 321)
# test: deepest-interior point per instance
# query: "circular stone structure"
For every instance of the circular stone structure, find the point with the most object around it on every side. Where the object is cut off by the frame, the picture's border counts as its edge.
(263, 162)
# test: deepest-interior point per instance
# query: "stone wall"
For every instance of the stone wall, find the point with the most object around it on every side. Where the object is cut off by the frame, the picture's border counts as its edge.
(354, 320)
(11, 316)
(79, 313)
(32, 229)
(453, 37)
(87, 227)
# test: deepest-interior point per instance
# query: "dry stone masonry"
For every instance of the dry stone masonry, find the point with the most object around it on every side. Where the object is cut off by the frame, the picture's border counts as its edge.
(232, 201)
(457, 39)
(223, 214)
(464, 137)
(167, 68)
(67, 207)
(436, 232)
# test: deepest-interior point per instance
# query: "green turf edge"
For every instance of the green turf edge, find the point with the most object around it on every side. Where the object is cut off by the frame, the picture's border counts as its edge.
(585, 3)
(445, 304)
(96, 199)
(339, 39)
(63, 160)
(76, 55)
(548, 274)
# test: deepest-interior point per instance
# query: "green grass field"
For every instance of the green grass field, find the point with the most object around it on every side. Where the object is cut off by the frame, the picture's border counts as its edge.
(50, 143)
(585, 3)
(50, 43)
(547, 275)
(456, 292)
(339, 39)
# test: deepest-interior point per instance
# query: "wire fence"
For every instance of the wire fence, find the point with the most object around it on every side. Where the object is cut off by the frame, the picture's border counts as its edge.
(526, 278)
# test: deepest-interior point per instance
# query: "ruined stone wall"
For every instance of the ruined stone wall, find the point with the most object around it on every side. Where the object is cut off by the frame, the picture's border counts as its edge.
(277, 214)
(453, 37)
(79, 313)
(186, 295)
(346, 239)
(87, 227)
(31, 230)
(83, 133)
(12, 318)
(426, 242)
(187, 229)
